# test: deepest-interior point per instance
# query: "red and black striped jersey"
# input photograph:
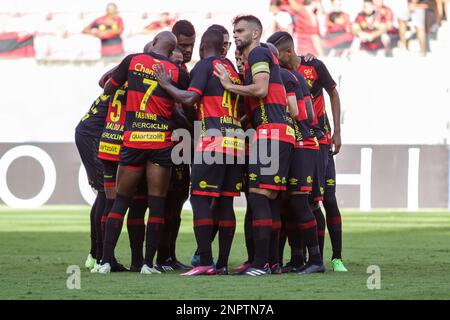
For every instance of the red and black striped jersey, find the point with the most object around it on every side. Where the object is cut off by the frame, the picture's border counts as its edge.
(318, 78)
(268, 114)
(149, 123)
(217, 109)
(370, 24)
(304, 132)
(111, 139)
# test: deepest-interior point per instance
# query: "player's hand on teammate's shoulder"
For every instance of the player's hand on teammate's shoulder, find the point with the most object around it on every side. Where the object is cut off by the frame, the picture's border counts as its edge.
(161, 76)
(221, 72)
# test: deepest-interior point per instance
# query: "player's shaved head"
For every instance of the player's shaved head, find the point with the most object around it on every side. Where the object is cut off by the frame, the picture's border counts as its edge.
(282, 40)
(164, 43)
(212, 41)
(148, 47)
(286, 51)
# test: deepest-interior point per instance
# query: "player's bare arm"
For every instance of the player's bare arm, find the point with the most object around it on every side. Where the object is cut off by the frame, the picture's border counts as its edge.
(292, 104)
(185, 97)
(335, 102)
(309, 110)
(259, 88)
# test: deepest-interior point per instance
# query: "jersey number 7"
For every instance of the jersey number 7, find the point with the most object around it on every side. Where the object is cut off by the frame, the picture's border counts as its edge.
(152, 85)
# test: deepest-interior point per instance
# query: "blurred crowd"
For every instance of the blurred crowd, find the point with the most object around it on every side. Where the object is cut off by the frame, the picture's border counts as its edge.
(81, 36)
(337, 28)
(367, 27)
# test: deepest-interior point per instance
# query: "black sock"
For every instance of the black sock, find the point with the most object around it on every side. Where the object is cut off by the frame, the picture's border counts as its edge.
(203, 224)
(261, 228)
(307, 226)
(175, 228)
(114, 226)
(99, 209)
(297, 257)
(295, 240)
(176, 221)
(164, 245)
(215, 229)
(155, 227)
(108, 206)
(284, 216)
(334, 224)
(248, 232)
(93, 250)
(226, 227)
(136, 229)
(320, 220)
(275, 234)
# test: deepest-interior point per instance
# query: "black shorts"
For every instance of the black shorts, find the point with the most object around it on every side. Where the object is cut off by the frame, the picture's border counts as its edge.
(301, 172)
(110, 173)
(217, 180)
(257, 178)
(319, 176)
(139, 157)
(88, 148)
(330, 175)
(180, 178)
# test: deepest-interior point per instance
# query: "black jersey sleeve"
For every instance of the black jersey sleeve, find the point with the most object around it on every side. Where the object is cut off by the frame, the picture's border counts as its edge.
(183, 79)
(120, 75)
(260, 60)
(325, 79)
(200, 76)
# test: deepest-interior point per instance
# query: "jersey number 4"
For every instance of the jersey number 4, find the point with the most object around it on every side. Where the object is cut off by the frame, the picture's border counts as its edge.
(152, 85)
(227, 103)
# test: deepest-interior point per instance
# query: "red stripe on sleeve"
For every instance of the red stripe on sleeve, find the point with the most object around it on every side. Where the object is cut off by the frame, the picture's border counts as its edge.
(195, 90)
(113, 82)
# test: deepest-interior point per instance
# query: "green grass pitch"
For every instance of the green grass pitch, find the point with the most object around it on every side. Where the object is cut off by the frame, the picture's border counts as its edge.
(411, 249)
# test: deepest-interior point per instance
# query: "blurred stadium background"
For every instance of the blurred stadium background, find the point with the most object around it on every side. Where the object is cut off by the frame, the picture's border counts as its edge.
(395, 102)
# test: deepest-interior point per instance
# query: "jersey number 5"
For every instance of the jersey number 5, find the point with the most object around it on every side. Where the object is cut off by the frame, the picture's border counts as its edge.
(117, 104)
(152, 85)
